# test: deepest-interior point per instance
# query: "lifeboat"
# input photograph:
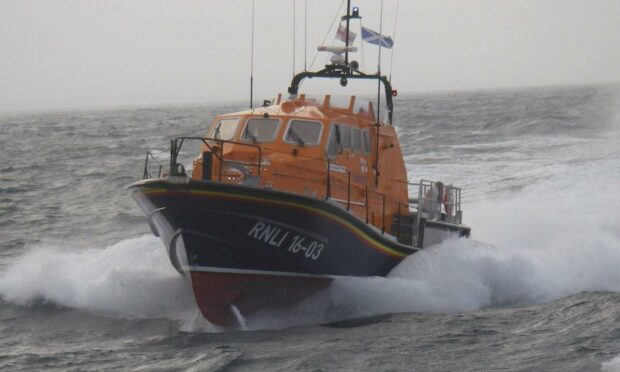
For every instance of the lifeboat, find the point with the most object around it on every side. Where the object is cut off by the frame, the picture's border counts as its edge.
(283, 199)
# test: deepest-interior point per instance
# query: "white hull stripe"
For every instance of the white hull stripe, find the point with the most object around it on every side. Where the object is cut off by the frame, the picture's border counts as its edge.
(259, 272)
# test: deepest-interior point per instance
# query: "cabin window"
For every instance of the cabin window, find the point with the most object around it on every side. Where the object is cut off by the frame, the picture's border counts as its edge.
(346, 137)
(304, 133)
(260, 130)
(357, 139)
(366, 140)
(225, 129)
(334, 146)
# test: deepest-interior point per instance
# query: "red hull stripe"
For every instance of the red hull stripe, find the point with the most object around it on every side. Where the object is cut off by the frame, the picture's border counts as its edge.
(375, 244)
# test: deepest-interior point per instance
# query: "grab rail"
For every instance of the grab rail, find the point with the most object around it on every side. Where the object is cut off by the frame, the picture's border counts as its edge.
(347, 203)
(344, 184)
(146, 174)
(447, 196)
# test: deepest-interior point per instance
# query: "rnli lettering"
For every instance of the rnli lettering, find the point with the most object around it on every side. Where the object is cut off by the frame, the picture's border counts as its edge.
(269, 234)
(279, 237)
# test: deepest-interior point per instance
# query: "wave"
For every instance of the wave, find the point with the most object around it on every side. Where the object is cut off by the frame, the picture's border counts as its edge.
(132, 278)
(612, 365)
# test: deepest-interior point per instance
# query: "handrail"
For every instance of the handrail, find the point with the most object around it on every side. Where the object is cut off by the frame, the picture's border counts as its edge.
(454, 197)
(343, 73)
(384, 198)
(146, 174)
(177, 169)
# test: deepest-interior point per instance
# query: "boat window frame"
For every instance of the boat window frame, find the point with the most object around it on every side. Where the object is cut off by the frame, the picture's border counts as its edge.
(366, 140)
(337, 135)
(210, 135)
(249, 140)
(359, 142)
(342, 136)
(288, 125)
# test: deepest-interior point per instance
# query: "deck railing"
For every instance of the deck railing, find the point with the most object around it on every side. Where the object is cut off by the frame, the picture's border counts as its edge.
(337, 188)
(215, 145)
(439, 202)
(380, 198)
(177, 144)
(146, 174)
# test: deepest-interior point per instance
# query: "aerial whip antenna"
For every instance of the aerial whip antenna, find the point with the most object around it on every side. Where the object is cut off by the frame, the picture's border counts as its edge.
(393, 38)
(378, 125)
(305, 35)
(294, 1)
(252, 63)
(346, 43)
(362, 49)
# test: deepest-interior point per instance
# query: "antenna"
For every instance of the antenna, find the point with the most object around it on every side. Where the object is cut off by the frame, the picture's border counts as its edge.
(348, 16)
(294, 1)
(378, 125)
(252, 63)
(393, 38)
(305, 35)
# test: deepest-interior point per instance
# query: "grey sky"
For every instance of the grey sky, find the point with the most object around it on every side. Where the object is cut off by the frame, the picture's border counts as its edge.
(70, 53)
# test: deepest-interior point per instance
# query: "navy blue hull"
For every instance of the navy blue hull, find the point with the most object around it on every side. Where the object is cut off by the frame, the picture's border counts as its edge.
(236, 230)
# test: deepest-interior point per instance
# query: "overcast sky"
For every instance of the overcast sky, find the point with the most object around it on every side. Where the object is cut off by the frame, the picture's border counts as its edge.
(82, 53)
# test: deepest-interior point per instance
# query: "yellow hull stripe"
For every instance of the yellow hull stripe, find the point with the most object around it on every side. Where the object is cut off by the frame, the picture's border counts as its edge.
(377, 245)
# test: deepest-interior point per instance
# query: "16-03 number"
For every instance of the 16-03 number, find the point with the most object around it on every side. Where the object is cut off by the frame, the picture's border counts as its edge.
(312, 250)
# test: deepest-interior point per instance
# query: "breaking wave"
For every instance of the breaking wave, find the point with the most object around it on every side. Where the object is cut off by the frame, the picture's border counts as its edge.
(132, 278)
(612, 365)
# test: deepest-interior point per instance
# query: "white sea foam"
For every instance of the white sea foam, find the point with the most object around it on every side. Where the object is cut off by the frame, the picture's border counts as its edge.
(131, 278)
(612, 365)
(552, 239)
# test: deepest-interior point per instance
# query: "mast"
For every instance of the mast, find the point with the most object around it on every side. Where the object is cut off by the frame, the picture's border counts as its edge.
(346, 71)
(348, 16)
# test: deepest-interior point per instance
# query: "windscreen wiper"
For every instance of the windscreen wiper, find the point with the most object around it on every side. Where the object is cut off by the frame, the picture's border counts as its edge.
(296, 137)
(216, 132)
(250, 134)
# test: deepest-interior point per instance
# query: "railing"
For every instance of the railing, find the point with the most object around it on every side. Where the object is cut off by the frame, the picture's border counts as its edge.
(411, 212)
(177, 169)
(146, 174)
(177, 144)
(439, 202)
(380, 199)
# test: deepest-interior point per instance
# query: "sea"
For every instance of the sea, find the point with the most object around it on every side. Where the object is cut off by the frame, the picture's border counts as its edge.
(84, 285)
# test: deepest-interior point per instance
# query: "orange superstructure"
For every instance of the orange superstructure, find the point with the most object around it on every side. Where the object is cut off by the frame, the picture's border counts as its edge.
(318, 148)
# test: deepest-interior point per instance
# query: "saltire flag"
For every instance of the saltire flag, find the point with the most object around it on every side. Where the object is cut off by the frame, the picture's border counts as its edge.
(376, 38)
(341, 34)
